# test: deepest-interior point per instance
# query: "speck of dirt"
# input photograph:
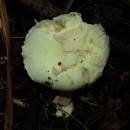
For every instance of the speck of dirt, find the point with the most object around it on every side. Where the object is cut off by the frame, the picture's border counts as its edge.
(56, 80)
(47, 83)
(81, 61)
(59, 63)
(49, 78)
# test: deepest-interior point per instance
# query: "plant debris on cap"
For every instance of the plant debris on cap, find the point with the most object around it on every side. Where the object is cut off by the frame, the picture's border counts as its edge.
(65, 52)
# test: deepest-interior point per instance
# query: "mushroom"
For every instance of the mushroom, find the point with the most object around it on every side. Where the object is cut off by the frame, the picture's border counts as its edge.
(66, 54)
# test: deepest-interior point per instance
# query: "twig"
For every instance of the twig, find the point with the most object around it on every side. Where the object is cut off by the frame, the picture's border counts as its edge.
(5, 32)
(65, 123)
(19, 103)
(89, 101)
(68, 6)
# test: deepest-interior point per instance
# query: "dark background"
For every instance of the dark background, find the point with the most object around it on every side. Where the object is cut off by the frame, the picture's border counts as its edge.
(104, 105)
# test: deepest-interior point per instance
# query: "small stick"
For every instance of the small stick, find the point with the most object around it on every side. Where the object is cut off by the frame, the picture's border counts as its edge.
(19, 103)
(68, 6)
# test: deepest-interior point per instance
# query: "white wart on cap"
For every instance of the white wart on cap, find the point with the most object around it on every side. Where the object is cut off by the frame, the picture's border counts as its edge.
(65, 53)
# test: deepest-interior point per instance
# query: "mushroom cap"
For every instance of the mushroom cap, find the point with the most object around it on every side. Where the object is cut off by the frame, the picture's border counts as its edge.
(65, 53)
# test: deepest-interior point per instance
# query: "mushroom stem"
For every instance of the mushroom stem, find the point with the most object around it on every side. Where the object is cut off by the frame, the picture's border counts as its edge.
(63, 98)
(63, 101)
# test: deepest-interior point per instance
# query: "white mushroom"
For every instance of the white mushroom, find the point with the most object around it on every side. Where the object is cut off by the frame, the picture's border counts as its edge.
(65, 52)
